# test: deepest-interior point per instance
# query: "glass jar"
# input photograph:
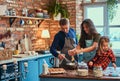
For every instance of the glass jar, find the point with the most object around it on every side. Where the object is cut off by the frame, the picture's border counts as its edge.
(97, 71)
(82, 69)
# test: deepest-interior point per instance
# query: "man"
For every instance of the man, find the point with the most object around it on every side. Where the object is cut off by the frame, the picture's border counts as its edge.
(63, 41)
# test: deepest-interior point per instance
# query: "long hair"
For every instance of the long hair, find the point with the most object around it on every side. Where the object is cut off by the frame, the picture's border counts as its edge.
(84, 35)
(100, 44)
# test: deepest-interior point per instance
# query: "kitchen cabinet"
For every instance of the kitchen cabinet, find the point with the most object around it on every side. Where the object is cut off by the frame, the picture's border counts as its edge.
(34, 68)
(10, 73)
(40, 63)
(31, 72)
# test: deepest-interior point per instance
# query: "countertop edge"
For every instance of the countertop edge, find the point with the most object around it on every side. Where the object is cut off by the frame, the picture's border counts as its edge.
(25, 58)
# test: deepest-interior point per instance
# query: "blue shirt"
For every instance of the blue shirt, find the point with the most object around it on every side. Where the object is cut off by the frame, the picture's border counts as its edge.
(59, 41)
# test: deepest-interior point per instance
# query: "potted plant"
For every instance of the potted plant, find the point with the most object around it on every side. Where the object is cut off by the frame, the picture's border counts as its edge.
(112, 8)
(55, 8)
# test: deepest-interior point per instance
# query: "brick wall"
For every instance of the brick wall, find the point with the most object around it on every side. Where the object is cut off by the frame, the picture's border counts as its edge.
(34, 31)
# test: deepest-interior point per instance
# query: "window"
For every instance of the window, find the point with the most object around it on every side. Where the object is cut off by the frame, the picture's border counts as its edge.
(98, 14)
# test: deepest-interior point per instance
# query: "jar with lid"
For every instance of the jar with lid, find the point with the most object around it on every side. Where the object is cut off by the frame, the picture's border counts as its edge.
(82, 69)
(97, 71)
(25, 12)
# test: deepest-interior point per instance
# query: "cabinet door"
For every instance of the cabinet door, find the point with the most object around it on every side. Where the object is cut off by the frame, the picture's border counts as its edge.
(32, 74)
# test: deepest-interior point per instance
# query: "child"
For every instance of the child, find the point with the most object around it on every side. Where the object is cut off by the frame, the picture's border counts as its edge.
(103, 55)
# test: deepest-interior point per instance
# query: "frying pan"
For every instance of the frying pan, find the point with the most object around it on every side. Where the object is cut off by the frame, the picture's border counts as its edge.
(71, 65)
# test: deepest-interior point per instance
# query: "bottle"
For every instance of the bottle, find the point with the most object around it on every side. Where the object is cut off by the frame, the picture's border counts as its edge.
(45, 67)
(26, 43)
(19, 46)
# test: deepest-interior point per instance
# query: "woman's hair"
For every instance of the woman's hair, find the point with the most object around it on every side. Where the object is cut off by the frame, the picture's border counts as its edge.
(100, 44)
(84, 35)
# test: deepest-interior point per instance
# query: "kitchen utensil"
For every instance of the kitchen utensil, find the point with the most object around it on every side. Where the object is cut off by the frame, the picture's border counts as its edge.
(72, 58)
(67, 60)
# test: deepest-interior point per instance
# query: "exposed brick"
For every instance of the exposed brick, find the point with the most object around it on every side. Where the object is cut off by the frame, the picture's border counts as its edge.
(34, 31)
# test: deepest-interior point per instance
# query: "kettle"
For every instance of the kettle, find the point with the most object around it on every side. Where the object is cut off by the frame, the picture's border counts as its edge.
(54, 61)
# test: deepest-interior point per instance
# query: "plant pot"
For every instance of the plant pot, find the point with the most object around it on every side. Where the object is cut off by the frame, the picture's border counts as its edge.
(58, 17)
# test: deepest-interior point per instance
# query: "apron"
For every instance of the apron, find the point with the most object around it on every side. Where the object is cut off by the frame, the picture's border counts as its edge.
(87, 56)
(69, 44)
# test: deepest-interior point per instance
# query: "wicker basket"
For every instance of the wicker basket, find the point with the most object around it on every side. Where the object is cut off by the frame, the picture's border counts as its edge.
(5, 55)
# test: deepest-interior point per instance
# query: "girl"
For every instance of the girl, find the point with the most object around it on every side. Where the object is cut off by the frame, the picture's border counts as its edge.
(103, 55)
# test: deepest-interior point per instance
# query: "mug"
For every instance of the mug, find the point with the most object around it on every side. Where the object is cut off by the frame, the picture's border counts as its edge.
(16, 52)
(54, 61)
(29, 22)
(36, 22)
(22, 22)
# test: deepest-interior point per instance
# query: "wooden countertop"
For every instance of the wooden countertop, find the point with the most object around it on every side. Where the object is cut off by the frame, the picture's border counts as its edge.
(73, 74)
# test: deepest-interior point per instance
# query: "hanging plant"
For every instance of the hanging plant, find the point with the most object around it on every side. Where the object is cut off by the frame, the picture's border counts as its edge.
(112, 8)
(54, 7)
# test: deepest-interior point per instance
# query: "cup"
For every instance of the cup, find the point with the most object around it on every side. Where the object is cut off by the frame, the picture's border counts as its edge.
(22, 22)
(36, 22)
(29, 22)
(16, 52)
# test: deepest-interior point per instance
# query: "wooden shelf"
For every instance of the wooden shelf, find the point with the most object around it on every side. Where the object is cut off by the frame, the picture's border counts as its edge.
(12, 18)
(22, 17)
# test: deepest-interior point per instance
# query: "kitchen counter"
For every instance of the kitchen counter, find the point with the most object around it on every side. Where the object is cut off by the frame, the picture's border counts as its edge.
(24, 57)
(71, 75)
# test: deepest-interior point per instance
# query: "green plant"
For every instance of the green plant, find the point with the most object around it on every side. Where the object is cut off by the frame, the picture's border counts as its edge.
(54, 8)
(112, 8)
(78, 36)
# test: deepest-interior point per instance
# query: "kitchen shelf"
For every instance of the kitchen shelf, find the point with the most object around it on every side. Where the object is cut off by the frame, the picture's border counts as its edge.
(22, 17)
(12, 18)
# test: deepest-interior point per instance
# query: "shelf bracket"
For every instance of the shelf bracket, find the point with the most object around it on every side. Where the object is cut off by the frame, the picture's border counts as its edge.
(11, 20)
(40, 21)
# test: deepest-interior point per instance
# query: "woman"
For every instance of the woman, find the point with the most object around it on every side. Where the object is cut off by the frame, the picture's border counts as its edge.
(103, 55)
(88, 41)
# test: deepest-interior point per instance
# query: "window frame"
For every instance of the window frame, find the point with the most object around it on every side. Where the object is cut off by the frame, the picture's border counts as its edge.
(106, 26)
